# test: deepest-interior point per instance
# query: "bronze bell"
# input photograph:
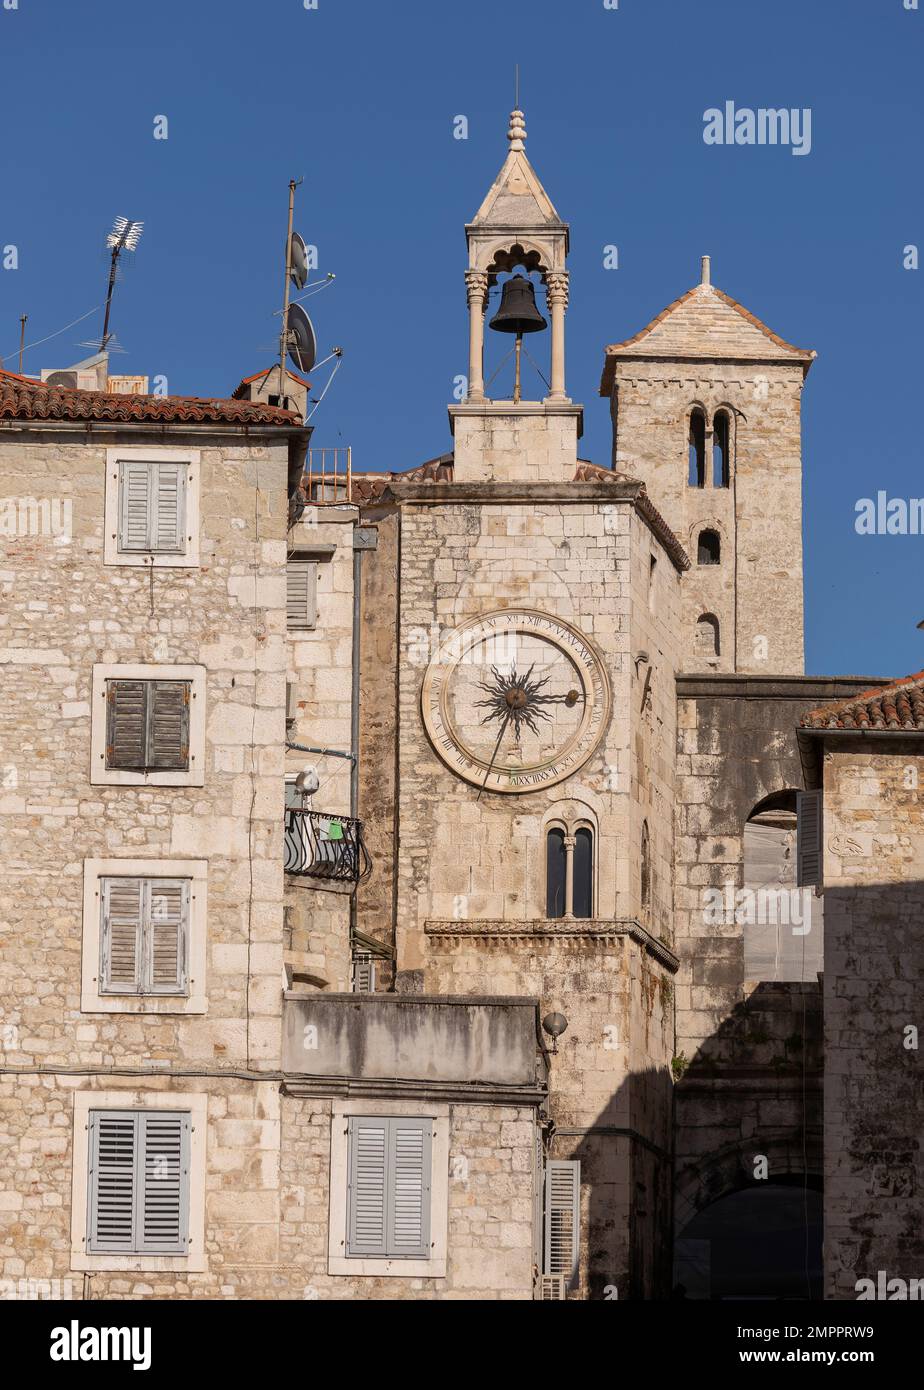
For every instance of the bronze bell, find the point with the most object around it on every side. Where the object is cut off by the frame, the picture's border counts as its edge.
(518, 313)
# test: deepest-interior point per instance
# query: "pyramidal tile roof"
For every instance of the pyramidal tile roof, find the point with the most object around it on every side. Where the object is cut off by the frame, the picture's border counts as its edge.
(704, 323)
(24, 399)
(896, 708)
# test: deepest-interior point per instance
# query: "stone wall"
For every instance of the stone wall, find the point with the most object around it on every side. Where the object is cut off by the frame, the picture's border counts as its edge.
(758, 518)
(64, 611)
(490, 1228)
(874, 1112)
(741, 1044)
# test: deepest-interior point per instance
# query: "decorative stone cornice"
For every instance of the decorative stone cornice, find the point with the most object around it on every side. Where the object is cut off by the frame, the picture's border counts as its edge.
(539, 929)
(463, 1092)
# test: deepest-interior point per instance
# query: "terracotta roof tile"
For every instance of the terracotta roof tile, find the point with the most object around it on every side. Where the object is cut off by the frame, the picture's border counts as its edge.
(22, 399)
(896, 708)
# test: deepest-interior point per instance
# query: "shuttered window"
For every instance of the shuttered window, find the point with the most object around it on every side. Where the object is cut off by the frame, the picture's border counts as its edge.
(152, 507)
(144, 936)
(302, 594)
(147, 725)
(563, 1218)
(809, 862)
(138, 1182)
(388, 1188)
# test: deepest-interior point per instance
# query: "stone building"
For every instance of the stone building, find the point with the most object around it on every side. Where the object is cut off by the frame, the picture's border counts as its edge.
(415, 880)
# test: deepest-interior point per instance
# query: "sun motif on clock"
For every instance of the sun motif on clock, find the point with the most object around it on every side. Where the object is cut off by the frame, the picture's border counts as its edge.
(515, 700)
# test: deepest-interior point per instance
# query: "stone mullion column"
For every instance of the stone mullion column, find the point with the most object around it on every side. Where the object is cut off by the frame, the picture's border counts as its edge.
(476, 284)
(569, 875)
(556, 284)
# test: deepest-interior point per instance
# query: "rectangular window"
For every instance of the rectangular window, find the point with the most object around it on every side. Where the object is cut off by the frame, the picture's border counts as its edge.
(144, 936)
(138, 1179)
(388, 1188)
(152, 507)
(147, 725)
(302, 594)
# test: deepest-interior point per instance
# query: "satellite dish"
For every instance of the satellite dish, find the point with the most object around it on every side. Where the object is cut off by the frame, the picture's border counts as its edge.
(302, 344)
(298, 261)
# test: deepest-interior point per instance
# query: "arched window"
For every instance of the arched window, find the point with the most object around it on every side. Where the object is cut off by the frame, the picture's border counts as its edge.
(697, 473)
(646, 869)
(555, 873)
(569, 872)
(720, 437)
(707, 635)
(708, 548)
(583, 896)
(782, 924)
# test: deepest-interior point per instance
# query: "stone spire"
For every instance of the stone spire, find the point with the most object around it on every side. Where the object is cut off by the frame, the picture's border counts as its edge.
(517, 132)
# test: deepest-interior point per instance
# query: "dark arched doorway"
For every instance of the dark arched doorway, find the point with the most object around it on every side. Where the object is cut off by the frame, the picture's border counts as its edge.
(760, 1242)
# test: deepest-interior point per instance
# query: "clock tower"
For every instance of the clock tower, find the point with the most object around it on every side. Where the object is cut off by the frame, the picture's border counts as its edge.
(538, 598)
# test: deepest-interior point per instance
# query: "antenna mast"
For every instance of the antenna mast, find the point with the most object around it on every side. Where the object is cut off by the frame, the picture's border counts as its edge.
(125, 235)
(284, 338)
(22, 338)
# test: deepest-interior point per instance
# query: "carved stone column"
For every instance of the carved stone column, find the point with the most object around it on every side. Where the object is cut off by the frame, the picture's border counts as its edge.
(556, 284)
(476, 285)
(570, 841)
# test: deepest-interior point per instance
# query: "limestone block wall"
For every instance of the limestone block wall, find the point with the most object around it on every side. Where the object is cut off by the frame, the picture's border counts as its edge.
(241, 1187)
(609, 1082)
(319, 660)
(490, 1208)
(874, 1111)
(758, 517)
(656, 598)
(319, 669)
(64, 611)
(531, 443)
(484, 859)
(742, 1045)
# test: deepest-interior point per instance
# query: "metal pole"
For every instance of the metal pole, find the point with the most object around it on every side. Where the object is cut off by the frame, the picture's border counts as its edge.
(284, 340)
(112, 275)
(22, 339)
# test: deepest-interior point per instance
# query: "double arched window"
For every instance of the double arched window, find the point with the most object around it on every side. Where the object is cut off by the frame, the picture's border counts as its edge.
(721, 448)
(569, 871)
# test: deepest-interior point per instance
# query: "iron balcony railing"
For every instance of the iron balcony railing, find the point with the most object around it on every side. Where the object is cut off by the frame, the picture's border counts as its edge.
(324, 846)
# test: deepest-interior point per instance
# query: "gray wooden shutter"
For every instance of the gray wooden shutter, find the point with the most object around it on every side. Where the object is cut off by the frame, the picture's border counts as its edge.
(166, 936)
(126, 704)
(563, 1218)
(163, 1199)
(408, 1224)
(112, 1180)
(367, 1174)
(152, 506)
(134, 505)
(363, 974)
(301, 594)
(809, 843)
(168, 725)
(168, 509)
(121, 935)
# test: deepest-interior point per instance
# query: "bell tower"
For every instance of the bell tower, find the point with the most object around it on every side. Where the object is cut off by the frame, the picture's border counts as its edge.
(516, 228)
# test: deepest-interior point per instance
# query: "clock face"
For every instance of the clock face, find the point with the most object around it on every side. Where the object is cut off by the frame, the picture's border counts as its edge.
(515, 700)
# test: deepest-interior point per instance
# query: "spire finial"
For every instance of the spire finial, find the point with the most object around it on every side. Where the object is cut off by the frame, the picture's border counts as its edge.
(517, 132)
(707, 273)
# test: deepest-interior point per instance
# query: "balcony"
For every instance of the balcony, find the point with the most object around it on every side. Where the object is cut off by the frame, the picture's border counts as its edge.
(325, 847)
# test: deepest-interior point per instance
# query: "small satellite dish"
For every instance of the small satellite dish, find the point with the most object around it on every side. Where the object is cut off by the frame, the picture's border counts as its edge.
(298, 261)
(302, 344)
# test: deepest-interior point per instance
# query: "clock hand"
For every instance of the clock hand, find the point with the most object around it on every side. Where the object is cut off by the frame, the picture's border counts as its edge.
(497, 745)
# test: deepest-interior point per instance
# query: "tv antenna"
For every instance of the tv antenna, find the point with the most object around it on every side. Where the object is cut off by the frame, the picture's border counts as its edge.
(125, 236)
(297, 336)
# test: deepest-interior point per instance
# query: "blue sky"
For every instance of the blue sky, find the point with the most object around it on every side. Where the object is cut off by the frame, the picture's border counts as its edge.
(359, 97)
